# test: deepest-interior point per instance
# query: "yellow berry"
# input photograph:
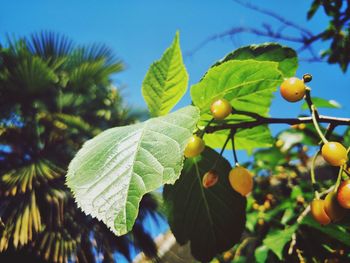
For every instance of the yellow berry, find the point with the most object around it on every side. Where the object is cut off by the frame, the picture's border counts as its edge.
(279, 143)
(334, 153)
(194, 146)
(220, 109)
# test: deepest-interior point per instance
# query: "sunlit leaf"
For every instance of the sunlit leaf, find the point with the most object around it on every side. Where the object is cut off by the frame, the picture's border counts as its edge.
(112, 171)
(277, 239)
(166, 81)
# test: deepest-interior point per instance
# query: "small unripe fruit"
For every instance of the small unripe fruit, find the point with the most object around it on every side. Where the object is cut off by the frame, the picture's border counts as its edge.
(256, 206)
(293, 89)
(334, 153)
(227, 256)
(279, 143)
(318, 212)
(210, 179)
(194, 147)
(241, 180)
(332, 207)
(220, 109)
(343, 195)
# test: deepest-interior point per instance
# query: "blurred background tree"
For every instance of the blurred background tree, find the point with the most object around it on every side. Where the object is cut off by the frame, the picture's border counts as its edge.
(54, 95)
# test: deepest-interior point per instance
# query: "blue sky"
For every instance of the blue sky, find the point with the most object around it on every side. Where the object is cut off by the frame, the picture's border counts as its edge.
(139, 31)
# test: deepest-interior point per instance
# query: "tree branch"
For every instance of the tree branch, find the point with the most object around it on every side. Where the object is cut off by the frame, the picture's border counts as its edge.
(266, 120)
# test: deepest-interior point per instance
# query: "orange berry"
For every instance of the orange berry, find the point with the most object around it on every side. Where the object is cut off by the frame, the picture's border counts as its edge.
(343, 195)
(241, 180)
(332, 207)
(293, 89)
(318, 212)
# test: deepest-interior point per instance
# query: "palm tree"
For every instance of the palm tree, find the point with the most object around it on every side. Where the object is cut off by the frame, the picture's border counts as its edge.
(55, 95)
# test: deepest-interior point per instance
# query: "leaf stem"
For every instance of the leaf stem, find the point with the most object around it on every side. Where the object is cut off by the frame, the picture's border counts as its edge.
(312, 174)
(316, 125)
(232, 135)
(222, 151)
(341, 169)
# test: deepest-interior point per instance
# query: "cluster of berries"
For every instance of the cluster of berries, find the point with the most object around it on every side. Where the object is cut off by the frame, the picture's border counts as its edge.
(240, 178)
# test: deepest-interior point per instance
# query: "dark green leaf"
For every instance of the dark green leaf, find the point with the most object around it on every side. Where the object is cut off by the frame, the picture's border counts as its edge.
(313, 9)
(286, 57)
(335, 231)
(212, 219)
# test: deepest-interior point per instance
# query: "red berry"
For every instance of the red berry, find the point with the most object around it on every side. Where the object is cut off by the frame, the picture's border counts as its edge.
(210, 179)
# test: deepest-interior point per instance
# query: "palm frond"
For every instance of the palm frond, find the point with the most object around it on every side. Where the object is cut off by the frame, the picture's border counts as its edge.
(49, 45)
(33, 75)
(95, 52)
(22, 223)
(22, 180)
(56, 246)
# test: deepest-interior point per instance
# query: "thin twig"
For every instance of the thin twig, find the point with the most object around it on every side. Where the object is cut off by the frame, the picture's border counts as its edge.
(276, 16)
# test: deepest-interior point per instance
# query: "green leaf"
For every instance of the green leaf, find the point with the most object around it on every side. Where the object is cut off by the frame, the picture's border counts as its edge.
(270, 158)
(286, 57)
(245, 139)
(322, 103)
(212, 219)
(247, 85)
(166, 81)
(32, 75)
(276, 240)
(261, 254)
(112, 171)
(334, 231)
(346, 136)
(313, 9)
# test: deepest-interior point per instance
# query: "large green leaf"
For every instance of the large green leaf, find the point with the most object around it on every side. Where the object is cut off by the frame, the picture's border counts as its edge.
(166, 81)
(247, 85)
(112, 171)
(276, 240)
(212, 219)
(245, 139)
(286, 57)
